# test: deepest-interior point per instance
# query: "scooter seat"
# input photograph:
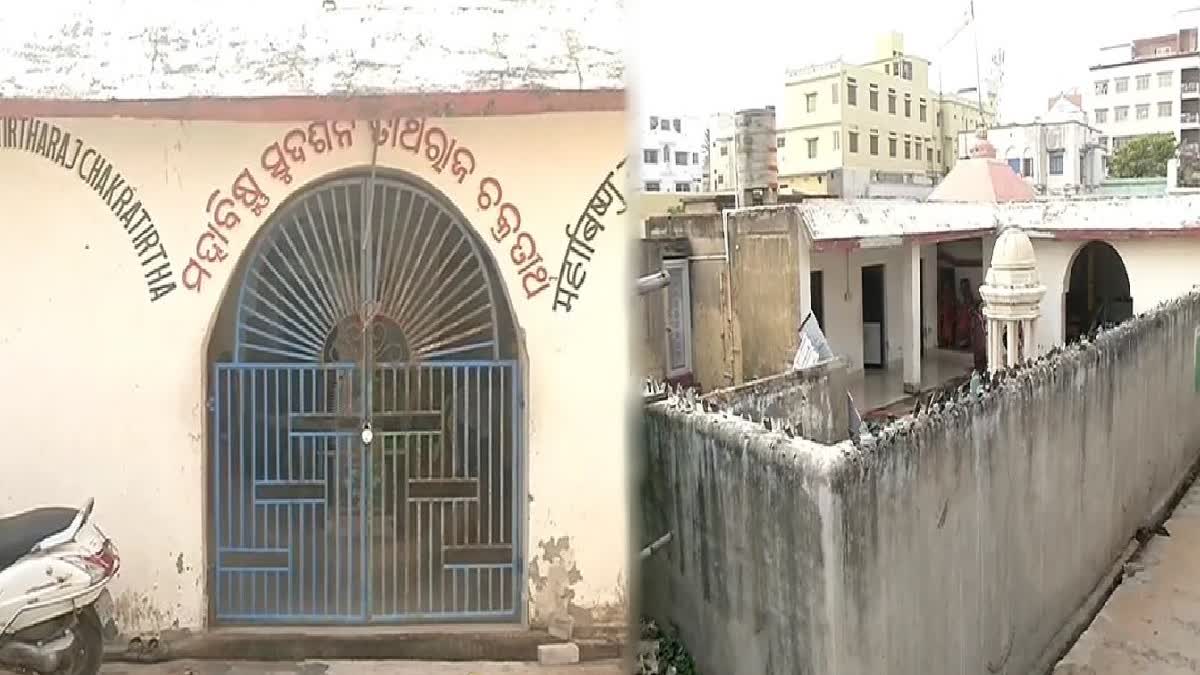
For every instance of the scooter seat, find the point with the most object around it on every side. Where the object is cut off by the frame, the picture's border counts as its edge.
(21, 532)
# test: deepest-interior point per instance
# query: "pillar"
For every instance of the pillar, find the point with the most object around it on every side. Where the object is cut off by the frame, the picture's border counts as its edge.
(912, 318)
(1013, 349)
(987, 246)
(803, 247)
(995, 344)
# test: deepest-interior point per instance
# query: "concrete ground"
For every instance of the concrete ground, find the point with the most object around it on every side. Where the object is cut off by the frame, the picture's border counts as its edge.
(1151, 623)
(356, 667)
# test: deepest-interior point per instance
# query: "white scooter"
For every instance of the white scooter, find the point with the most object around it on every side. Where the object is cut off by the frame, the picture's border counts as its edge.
(54, 570)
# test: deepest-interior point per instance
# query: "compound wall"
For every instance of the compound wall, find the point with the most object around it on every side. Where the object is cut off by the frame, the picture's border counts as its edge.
(959, 541)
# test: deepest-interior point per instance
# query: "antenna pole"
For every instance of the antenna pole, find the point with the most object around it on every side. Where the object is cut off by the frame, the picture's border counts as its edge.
(978, 77)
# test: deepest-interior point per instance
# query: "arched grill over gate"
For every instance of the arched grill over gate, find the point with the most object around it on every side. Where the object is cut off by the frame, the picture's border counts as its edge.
(367, 301)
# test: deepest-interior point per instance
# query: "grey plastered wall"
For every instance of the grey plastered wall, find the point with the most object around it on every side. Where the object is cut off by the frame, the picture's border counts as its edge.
(674, 238)
(767, 287)
(743, 574)
(812, 400)
(959, 541)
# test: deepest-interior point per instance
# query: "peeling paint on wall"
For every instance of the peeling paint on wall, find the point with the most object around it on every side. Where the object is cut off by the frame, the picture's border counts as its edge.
(552, 575)
(135, 613)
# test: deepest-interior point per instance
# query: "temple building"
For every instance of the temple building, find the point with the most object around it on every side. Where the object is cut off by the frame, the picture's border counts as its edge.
(315, 319)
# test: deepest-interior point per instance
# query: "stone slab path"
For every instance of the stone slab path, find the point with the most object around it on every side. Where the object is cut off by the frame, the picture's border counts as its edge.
(1151, 623)
(358, 667)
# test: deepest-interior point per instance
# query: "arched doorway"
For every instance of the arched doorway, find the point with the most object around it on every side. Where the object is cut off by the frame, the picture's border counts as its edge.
(1097, 290)
(314, 521)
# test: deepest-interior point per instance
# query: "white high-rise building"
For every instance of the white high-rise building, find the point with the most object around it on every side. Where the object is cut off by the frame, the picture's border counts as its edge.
(1148, 86)
(673, 154)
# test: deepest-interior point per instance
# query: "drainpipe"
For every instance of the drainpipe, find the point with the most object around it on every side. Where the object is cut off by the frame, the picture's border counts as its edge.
(653, 282)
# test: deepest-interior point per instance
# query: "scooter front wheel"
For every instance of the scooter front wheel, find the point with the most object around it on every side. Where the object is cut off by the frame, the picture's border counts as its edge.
(87, 651)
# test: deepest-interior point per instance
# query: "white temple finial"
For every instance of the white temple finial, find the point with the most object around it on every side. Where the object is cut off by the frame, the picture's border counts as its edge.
(1012, 297)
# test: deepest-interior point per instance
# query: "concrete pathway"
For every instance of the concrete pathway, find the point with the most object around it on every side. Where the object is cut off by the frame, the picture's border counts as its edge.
(1151, 624)
(357, 667)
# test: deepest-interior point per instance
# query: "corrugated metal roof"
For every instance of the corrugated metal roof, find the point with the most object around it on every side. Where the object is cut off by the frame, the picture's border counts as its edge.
(150, 49)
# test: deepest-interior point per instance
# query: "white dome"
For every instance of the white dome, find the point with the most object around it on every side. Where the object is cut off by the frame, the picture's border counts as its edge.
(1014, 252)
(1011, 289)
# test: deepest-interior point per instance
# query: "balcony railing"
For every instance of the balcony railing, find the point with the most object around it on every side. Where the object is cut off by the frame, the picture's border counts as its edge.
(1190, 88)
(1190, 117)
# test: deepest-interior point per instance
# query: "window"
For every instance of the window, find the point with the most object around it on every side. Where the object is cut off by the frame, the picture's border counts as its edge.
(874, 142)
(695, 158)
(907, 71)
(683, 187)
(1162, 51)
(810, 102)
(892, 101)
(1056, 163)
(1015, 165)
(1122, 84)
(833, 93)
(676, 123)
(1101, 115)
(679, 318)
(929, 155)
(665, 124)
(1164, 79)
(1101, 87)
(923, 110)
(1103, 141)
(724, 150)
(939, 118)
(892, 147)
(1143, 111)
(1143, 82)
(681, 158)
(1027, 167)
(907, 106)
(653, 122)
(851, 93)
(918, 152)
(907, 149)
(650, 157)
(1164, 109)
(812, 148)
(874, 102)
(852, 140)
(780, 141)
(837, 140)
(666, 155)
(1120, 113)
(939, 156)
(653, 186)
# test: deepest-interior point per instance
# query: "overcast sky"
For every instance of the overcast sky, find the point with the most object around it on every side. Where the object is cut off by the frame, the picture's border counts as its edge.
(704, 56)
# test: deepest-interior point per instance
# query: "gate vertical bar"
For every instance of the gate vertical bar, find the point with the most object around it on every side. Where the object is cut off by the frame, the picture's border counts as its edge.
(518, 503)
(367, 373)
(215, 477)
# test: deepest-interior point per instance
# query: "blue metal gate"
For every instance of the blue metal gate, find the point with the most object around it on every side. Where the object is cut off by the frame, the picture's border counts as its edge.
(316, 521)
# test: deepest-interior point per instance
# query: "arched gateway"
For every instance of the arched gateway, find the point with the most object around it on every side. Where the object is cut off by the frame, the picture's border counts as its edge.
(1097, 290)
(314, 520)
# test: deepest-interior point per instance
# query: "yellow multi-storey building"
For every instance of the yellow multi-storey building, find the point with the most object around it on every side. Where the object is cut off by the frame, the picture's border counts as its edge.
(875, 128)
